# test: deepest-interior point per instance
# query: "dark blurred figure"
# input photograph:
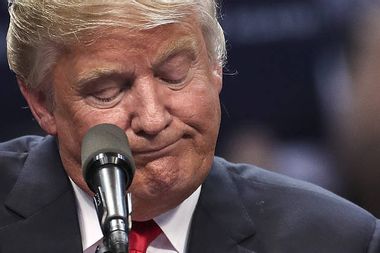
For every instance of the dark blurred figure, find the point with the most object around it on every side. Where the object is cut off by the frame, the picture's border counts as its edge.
(358, 135)
(285, 59)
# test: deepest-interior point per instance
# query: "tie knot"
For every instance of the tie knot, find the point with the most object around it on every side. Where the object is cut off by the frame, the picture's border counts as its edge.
(142, 234)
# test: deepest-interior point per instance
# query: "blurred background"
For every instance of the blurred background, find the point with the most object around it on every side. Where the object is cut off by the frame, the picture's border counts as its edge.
(300, 94)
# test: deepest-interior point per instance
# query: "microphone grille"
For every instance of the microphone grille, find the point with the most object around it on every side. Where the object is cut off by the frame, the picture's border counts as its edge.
(104, 138)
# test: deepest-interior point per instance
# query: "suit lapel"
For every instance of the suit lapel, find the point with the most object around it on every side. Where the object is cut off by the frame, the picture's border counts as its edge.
(43, 198)
(220, 222)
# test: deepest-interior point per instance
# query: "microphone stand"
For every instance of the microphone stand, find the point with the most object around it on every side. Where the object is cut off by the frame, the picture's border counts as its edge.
(116, 224)
(117, 240)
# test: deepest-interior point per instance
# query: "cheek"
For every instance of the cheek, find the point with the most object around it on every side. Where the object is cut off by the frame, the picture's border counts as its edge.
(200, 109)
(74, 119)
(198, 103)
(79, 117)
(70, 130)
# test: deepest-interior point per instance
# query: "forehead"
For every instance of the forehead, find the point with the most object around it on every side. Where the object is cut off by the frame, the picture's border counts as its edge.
(126, 51)
(153, 41)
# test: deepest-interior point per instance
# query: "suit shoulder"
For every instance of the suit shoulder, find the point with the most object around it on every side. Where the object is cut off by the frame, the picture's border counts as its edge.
(281, 205)
(20, 145)
(264, 182)
(13, 155)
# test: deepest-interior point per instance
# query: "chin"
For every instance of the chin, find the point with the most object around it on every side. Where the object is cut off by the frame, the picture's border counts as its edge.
(166, 176)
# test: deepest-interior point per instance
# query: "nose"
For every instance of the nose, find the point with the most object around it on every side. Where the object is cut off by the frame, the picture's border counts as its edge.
(151, 115)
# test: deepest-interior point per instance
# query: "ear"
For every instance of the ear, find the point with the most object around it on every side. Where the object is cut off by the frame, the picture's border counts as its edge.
(217, 76)
(38, 104)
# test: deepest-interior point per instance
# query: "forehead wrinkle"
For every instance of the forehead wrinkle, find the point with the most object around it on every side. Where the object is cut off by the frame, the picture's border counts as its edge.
(184, 44)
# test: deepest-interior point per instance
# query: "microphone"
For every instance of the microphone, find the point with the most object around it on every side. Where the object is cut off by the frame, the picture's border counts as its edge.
(108, 170)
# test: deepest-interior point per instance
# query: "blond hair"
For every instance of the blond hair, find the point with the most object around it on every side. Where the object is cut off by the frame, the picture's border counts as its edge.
(39, 31)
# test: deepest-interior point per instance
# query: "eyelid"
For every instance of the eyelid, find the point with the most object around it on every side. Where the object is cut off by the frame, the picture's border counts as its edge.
(115, 90)
(175, 70)
(105, 93)
(105, 102)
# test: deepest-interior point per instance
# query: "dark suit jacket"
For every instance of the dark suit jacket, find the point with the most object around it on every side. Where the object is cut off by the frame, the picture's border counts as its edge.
(241, 209)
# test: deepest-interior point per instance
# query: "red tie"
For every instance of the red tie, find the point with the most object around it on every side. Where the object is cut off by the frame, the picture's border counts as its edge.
(141, 235)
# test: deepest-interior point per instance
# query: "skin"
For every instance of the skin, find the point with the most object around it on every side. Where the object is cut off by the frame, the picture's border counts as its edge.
(164, 94)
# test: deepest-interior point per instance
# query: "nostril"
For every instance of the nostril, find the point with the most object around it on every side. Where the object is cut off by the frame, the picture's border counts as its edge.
(145, 135)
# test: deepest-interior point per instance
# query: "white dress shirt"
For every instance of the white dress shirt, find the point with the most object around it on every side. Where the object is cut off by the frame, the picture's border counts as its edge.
(175, 224)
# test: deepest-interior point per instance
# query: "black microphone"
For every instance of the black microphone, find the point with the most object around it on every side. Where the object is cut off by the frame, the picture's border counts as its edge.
(108, 170)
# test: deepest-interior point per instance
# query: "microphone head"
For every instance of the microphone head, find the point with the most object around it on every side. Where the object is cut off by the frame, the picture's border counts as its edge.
(106, 144)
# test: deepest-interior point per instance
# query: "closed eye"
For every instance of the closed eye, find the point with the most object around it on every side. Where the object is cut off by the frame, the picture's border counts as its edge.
(175, 70)
(108, 94)
(105, 91)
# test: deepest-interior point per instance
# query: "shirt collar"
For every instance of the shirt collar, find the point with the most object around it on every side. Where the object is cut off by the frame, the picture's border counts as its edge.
(175, 223)
(88, 218)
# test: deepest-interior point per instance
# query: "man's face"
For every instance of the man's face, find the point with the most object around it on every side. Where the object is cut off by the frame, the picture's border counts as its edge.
(162, 89)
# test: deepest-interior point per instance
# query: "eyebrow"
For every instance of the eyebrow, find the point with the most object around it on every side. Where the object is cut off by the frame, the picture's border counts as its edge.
(185, 44)
(95, 75)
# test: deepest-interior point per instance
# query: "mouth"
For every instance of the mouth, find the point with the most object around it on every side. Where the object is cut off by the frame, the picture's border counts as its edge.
(155, 152)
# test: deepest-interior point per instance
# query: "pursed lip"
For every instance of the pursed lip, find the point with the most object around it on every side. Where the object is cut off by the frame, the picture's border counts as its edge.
(158, 150)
